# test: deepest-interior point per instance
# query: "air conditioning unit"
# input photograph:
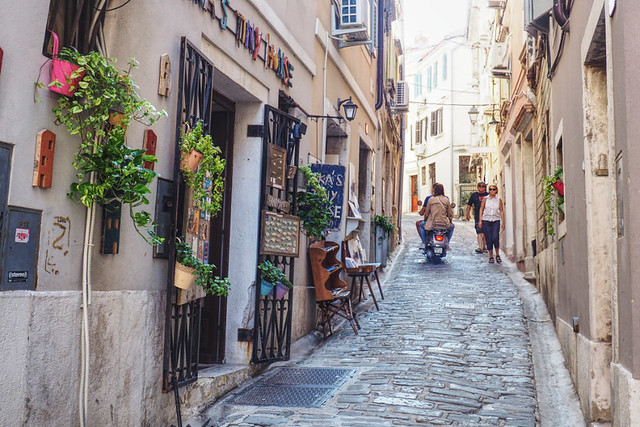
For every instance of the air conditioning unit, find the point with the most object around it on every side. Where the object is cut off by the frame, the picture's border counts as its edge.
(499, 56)
(354, 13)
(354, 20)
(402, 96)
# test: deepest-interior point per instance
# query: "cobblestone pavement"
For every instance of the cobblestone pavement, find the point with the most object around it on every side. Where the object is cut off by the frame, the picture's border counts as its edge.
(449, 346)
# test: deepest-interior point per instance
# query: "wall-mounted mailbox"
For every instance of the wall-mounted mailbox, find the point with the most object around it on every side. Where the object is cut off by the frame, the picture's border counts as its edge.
(43, 162)
(20, 249)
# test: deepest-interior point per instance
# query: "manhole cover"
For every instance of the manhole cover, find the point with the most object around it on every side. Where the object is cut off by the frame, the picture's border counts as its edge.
(295, 387)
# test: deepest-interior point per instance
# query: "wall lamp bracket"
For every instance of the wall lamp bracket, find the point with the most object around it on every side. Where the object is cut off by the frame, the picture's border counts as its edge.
(347, 105)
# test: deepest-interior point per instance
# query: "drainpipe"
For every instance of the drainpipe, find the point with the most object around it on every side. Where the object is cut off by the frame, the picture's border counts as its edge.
(380, 52)
(560, 14)
(323, 141)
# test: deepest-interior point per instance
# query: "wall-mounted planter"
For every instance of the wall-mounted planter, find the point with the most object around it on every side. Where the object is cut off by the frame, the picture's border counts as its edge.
(265, 287)
(61, 72)
(281, 290)
(183, 276)
(191, 160)
(559, 186)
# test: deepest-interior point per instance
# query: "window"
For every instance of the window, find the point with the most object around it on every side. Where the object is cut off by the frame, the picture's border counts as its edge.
(435, 75)
(436, 122)
(419, 132)
(424, 175)
(432, 173)
(429, 79)
(426, 128)
(444, 67)
(417, 85)
(76, 22)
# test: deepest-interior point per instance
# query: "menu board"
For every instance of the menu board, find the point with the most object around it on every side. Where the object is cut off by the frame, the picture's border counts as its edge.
(280, 234)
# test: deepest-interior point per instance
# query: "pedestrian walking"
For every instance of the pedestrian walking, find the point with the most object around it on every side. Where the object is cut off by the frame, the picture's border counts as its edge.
(492, 221)
(475, 200)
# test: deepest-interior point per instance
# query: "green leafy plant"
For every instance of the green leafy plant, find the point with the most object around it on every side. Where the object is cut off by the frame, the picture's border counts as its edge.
(107, 169)
(385, 224)
(205, 273)
(272, 274)
(552, 199)
(314, 207)
(207, 180)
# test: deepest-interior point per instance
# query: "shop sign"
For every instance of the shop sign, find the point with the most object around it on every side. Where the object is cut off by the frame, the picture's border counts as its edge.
(250, 37)
(332, 178)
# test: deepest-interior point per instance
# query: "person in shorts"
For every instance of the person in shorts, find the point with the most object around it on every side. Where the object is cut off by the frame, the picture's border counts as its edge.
(475, 200)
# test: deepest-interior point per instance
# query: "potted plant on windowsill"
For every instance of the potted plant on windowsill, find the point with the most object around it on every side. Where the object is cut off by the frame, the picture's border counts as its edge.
(207, 178)
(270, 277)
(313, 207)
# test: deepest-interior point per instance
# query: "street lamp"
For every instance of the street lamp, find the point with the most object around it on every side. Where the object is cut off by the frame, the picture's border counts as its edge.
(473, 115)
(347, 105)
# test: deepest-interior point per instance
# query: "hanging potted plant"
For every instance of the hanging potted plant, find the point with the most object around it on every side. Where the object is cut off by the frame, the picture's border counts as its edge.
(313, 207)
(108, 169)
(272, 277)
(212, 284)
(186, 264)
(65, 74)
(207, 178)
(190, 270)
(553, 191)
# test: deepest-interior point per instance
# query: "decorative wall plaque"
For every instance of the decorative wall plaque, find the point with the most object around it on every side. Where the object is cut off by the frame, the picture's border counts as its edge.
(280, 234)
(276, 166)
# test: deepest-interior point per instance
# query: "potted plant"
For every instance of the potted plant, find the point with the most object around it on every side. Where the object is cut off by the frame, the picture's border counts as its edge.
(207, 178)
(270, 277)
(108, 169)
(385, 225)
(186, 264)
(190, 269)
(313, 207)
(553, 191)
(212, 284)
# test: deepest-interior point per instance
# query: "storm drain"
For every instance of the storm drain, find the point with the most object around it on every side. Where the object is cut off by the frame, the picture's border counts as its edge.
(294, 387)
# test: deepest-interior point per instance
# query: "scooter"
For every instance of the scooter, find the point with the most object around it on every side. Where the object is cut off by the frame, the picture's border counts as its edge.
(437, 243)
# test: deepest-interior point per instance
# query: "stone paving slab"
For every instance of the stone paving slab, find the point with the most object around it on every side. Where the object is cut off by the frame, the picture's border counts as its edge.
(449, 346)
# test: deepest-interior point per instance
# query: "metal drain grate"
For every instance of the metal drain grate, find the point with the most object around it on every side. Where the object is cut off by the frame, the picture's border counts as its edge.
(294, 387)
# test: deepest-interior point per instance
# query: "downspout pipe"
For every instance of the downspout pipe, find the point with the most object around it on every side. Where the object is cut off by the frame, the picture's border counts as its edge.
(560, 14)
(380, 67)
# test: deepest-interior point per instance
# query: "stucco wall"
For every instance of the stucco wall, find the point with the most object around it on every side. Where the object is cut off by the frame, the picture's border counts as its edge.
(40, 349)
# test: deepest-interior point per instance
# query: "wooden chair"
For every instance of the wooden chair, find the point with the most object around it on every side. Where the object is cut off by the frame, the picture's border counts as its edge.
(332, 296)
(362, 272)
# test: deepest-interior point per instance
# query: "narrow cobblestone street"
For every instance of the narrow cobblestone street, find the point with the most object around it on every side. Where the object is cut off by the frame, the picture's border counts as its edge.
(449, 346)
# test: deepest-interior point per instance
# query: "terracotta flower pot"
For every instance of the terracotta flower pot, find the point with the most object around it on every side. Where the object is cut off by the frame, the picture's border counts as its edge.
(183, 276)
(191, 160)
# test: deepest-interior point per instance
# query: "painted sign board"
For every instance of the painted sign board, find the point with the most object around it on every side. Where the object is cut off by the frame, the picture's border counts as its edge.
(332, 178)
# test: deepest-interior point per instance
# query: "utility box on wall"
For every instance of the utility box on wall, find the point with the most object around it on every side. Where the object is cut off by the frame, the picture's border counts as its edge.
(21, 240)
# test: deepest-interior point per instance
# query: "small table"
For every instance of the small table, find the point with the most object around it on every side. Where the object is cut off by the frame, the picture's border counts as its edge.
(363, 272)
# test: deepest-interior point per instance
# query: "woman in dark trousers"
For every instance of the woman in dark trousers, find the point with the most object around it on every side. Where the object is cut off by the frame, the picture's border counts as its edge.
(492, 221)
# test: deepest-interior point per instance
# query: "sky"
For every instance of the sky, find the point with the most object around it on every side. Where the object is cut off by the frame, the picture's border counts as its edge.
(433, 18)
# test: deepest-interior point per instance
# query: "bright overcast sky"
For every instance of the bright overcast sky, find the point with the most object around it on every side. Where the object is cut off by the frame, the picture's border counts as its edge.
(433, 18)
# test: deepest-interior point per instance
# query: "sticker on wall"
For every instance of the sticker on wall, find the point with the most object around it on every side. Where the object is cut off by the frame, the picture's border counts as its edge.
(22, 235)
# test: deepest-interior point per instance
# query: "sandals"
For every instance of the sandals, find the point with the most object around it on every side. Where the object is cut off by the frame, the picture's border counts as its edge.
(498, 259)
(490, 260)
(478, 251)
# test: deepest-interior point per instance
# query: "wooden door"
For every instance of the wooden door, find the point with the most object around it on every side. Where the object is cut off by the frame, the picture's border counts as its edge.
(414, 193)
